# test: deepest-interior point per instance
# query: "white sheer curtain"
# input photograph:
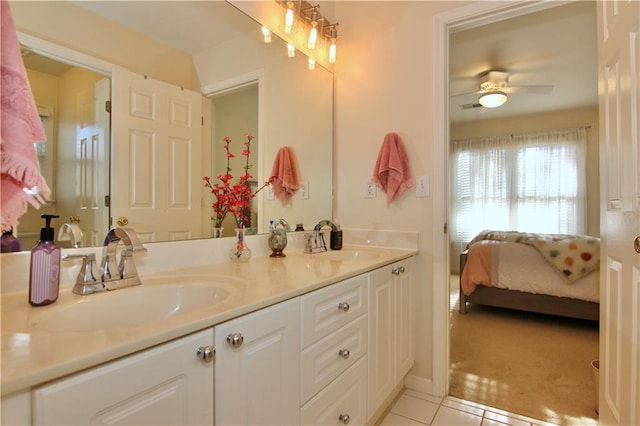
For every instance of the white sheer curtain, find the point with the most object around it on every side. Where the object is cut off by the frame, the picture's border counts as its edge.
(530, 183)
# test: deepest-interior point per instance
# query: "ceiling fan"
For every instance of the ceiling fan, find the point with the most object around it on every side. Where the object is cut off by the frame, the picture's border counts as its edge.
(495, 88)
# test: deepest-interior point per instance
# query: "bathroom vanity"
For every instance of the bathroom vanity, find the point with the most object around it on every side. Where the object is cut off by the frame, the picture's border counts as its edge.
(307, 339)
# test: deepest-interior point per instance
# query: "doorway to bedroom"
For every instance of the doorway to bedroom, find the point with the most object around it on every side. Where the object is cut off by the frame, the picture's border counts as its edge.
(534, 364)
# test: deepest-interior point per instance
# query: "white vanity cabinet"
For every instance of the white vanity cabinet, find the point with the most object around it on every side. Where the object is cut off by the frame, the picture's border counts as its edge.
(334, 353)
(258, 367)
(391, 335)
(169, 384)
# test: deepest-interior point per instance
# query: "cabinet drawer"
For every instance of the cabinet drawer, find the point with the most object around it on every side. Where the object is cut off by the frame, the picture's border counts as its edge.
(347, 395)
(328, 309)
(324, 361)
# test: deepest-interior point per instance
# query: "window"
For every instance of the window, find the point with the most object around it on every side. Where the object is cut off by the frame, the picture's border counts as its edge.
(527, 183)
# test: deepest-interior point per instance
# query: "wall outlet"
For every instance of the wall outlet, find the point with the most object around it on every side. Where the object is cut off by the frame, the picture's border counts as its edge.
(370, 190)
(304, 190)
(422, 186)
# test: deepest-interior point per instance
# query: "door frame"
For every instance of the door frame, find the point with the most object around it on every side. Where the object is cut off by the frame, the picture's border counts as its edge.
(465, 17)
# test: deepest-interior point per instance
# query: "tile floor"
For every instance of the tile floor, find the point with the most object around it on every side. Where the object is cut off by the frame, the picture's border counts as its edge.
(415, 408)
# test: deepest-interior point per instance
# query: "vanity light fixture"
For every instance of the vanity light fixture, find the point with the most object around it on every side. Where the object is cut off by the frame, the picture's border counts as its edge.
(291, 50)
(493, 99)
(266, 33)
(311, 65)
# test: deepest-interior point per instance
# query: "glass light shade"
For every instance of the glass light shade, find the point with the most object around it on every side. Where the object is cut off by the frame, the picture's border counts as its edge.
(493, 99)
(311, 64)
(291, 50)
(288, 18)
(267, 34)
(313, 35)
(332, 51)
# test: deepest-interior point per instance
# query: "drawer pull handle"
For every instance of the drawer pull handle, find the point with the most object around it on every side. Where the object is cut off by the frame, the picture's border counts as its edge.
(344, 353)
(399, 270)
(344, 418)
(235, 339)
(206, 353)
(344, 306)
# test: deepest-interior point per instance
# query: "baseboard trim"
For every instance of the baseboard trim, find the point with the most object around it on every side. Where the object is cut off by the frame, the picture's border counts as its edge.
(419, 384)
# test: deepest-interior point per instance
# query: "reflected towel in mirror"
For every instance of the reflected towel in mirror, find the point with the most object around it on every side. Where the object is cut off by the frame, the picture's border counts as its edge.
(285, 172)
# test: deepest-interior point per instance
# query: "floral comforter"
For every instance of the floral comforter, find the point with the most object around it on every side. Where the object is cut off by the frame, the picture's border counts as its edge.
(573, 255)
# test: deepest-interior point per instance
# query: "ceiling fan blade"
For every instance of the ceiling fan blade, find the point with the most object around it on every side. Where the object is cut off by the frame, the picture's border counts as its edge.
(467, 94)
(470, 106)
(535, 90)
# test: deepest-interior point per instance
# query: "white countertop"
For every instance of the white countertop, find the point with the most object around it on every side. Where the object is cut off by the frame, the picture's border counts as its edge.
(33, 355)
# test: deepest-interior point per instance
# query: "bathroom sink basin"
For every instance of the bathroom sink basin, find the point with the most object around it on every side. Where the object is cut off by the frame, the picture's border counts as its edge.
(351, 254)
(155, 300)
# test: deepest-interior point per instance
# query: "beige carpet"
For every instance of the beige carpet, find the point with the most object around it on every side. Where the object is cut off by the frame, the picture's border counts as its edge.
(534, 365)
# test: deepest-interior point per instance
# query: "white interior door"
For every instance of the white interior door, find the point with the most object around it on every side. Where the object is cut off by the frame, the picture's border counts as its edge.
(92, 162)
(157, 154)
(619, 75)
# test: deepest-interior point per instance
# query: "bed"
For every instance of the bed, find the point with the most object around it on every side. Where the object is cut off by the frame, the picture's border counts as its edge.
(553, 274)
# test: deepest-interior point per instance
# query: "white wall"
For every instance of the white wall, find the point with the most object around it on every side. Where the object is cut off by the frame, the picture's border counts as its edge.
(385, 83)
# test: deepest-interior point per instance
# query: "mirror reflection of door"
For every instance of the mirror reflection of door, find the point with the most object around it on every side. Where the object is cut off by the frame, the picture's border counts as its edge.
(70, 96)
(157, 158)
(92, 161)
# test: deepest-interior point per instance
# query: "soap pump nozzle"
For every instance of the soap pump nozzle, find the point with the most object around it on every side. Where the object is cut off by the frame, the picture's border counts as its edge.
(46, 233)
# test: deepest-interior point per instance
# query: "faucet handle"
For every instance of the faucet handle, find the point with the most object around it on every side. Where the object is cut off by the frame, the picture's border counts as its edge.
(86, 282)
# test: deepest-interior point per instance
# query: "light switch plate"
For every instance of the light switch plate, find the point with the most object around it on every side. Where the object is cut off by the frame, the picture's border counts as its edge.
(269, 194)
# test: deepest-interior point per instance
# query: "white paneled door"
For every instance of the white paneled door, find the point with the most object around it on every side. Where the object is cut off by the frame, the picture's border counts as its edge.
(157, 158)
(92, 162)
(619, 75)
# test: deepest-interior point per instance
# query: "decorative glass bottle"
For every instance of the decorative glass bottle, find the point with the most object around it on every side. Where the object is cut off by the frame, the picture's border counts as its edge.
(240, 252)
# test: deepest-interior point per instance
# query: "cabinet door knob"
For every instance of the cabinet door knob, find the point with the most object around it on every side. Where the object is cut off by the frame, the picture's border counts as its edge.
(206, 353)
(397, 271)
(344, 353)
(235, 339)
(344, 306)
(344, 418)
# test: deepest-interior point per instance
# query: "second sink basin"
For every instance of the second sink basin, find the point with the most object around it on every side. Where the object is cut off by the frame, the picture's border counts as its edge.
(155, 300)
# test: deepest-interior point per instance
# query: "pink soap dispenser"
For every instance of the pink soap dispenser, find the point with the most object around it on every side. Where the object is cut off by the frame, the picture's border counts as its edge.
(44, 276)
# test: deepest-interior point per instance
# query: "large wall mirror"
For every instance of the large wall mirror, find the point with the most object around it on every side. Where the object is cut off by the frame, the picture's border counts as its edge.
(288, 104)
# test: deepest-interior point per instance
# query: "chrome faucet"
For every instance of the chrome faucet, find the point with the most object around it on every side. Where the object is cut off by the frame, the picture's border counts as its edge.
(315, 241)
(126, 274)
(112, 277)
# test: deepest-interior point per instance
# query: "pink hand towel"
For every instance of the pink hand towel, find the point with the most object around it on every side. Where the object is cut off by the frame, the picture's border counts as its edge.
(20, 128)
(391, 173)
(285, 172)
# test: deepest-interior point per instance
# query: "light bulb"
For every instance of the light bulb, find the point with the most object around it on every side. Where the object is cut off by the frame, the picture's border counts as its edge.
(267, 34)
(312, 64)
(291, 50)
(332, 51)
(313, 35)
(288, 18)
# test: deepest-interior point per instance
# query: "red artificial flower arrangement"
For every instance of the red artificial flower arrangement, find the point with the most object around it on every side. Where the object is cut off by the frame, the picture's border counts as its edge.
(234, 198)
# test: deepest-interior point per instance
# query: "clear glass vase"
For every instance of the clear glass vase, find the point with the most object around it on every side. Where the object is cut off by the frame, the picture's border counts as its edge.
(240, 252)
(216, 232)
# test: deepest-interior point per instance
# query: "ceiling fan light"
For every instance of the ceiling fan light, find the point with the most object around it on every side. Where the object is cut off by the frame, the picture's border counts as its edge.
(493, 99)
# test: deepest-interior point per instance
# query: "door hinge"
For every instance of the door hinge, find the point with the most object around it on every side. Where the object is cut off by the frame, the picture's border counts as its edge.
(445, 228)
(202, 120)
(107, 200)
(107, 106)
